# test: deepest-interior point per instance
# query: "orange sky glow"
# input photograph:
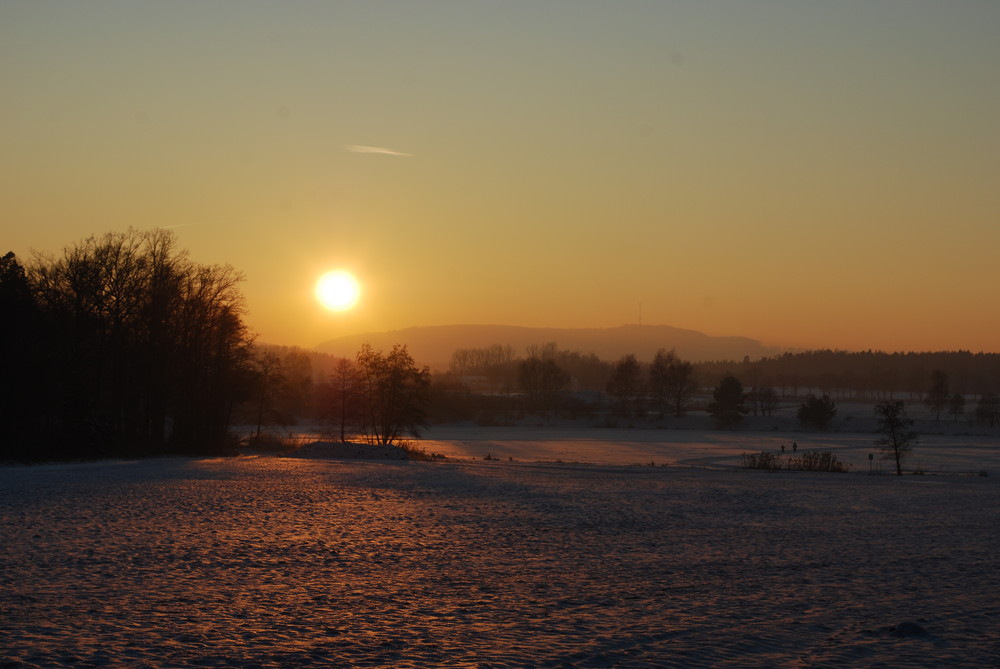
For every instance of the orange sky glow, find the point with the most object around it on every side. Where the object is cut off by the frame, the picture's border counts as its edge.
(812, 175)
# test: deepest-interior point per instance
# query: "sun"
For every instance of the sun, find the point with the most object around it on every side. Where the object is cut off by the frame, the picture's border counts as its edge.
(338, 290)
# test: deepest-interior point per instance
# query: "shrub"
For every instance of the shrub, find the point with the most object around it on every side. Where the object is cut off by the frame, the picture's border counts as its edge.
(818, 462)
(765, 460)
(415, 452)
(806, 462)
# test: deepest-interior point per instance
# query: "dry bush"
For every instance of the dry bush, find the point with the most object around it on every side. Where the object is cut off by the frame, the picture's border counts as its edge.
(415, 452)
(814, 461)
(763, 460)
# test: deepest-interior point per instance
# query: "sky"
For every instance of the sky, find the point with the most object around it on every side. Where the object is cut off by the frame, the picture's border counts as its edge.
(809, 174)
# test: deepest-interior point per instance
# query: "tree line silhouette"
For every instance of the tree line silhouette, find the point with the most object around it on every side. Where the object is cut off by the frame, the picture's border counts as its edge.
(496, 385)
(867, 376)
(120, 345)
(863, 375)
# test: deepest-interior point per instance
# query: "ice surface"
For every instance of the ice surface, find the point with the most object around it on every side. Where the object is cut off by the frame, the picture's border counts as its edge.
(279, 562)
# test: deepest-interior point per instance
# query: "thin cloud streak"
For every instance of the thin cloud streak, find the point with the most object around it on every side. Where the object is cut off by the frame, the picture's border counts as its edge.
(355, 148)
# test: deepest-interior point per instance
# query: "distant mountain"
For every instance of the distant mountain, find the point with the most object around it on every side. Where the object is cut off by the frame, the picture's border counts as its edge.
(434, 345)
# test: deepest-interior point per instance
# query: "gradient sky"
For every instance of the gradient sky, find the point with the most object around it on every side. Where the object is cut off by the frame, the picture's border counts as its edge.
(810, 174)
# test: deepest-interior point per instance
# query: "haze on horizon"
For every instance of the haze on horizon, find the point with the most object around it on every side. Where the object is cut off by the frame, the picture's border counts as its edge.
(815, 175)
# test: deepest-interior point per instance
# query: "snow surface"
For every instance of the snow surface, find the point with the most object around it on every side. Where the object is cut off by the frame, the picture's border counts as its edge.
(262, 561)
(940, 453)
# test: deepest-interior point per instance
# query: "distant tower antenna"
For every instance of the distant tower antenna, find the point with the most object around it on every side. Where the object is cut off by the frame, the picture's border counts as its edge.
(640, 311)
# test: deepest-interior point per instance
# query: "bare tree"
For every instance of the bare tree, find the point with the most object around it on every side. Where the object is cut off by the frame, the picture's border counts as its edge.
(343, 401)
(988, 409)
(671, 383)
(586, 370)
(296, 392)
(682, 384)
(541, 378)
(23, 387)
(764, 399)
(625, 384)
(495, 363)
(141, 340)
(395, 394)
(896, 430)
(267, 366)
(213, 352)
(660, 386)
(956, 406)
(938, 395)
(284, 385)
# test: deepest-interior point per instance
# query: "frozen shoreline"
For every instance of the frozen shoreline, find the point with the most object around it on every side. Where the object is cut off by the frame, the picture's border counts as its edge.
(276, 562)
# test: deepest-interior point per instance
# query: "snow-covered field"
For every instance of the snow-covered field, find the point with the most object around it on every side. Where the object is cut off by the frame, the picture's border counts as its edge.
(262, 561)
(940, 453)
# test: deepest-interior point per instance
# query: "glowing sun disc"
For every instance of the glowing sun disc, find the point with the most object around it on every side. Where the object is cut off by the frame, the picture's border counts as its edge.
(338, 290)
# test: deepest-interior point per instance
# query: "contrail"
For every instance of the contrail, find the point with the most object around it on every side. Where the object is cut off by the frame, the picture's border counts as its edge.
(355, 148)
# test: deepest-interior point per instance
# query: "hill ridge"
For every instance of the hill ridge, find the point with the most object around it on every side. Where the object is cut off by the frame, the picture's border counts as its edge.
(434, 344)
